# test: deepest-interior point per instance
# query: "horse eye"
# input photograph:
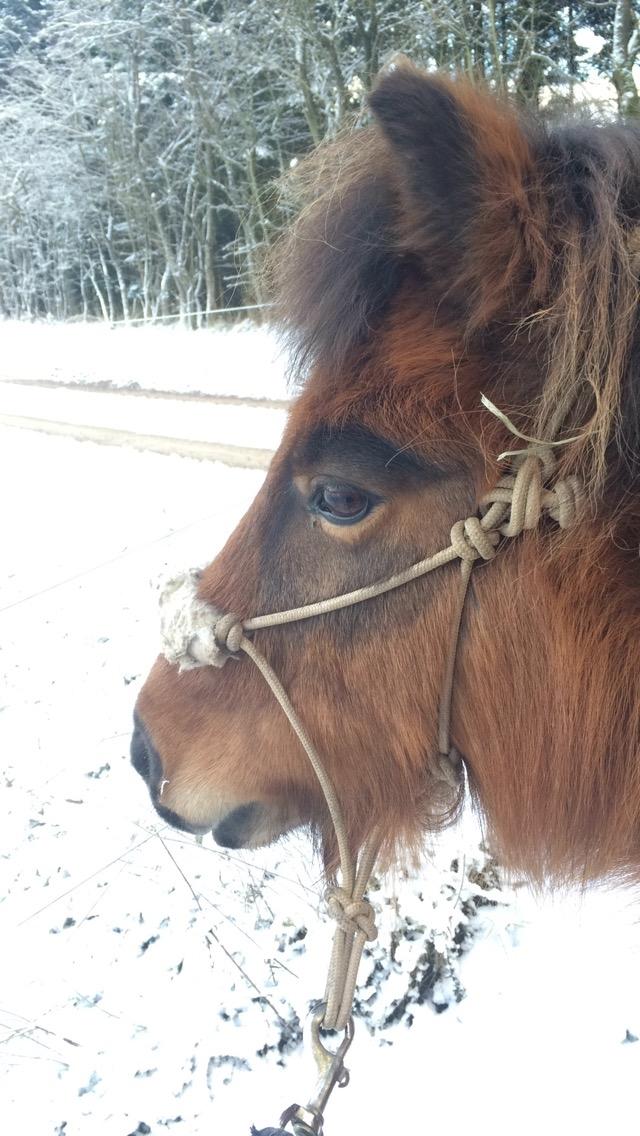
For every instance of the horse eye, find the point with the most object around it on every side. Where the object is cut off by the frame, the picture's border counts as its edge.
(341, 504)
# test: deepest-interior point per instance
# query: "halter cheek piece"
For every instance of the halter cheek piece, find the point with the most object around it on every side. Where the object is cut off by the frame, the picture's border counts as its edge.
(196, 634)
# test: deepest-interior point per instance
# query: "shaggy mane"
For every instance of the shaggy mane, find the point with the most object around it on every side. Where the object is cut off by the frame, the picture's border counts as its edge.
(568, 319)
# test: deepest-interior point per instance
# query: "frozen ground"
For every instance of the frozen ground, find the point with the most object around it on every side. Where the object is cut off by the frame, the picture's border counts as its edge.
(153, 985)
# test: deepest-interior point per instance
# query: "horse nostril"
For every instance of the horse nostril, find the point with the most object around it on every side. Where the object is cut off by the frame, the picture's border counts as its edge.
(144, 756)
(139, 753)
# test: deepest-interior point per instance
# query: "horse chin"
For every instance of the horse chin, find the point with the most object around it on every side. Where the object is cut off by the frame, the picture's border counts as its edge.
(252, 826)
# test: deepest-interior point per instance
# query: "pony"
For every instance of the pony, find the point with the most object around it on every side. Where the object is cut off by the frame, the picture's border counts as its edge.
(449, 249)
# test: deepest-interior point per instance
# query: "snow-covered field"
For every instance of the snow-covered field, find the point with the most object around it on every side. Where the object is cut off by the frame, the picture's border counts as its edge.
(254, 426)
(245, 361)
(153, 985)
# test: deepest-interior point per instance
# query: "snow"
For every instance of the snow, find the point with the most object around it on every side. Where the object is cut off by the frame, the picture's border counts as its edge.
(151, 984)
(241, 360)
(256, 426)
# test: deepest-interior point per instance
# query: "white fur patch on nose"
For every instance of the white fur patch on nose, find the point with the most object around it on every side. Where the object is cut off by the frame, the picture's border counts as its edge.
(187, 625)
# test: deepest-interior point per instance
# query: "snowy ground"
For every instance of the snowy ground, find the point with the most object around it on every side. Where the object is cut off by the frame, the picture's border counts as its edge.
(152, 985)
(244, 361)
(253, 426)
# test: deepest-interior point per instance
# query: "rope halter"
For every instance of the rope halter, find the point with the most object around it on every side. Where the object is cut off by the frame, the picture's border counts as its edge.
(196, 634)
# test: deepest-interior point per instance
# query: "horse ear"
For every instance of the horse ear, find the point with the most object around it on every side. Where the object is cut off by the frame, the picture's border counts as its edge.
(465, 172)
(424, 122)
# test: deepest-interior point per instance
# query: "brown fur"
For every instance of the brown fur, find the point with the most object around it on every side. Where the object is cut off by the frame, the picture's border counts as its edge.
(448, 250)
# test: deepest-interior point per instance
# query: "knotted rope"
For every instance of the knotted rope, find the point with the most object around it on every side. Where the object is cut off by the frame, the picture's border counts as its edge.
(196, 634)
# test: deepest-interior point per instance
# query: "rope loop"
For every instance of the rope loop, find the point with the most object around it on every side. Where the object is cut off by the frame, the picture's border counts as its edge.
(351, 915)
(228, 633)
(568, 497)
(526, 488)
(470, 540)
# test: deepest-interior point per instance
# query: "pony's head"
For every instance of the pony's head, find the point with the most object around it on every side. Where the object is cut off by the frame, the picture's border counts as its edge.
(447, 250)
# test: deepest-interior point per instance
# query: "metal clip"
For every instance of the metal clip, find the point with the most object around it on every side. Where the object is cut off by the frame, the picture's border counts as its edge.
(309, 1121)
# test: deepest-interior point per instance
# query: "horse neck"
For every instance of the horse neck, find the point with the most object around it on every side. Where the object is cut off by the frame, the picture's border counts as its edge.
(547, 711)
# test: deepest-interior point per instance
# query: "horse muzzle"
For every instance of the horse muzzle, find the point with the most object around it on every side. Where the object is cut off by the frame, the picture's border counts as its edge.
(146, 761)
(233, 825)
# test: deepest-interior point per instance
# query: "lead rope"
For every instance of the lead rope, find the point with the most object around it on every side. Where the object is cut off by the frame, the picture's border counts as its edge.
(196, 634)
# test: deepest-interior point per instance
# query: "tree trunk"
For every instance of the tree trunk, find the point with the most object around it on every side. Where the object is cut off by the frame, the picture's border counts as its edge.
(623, 54)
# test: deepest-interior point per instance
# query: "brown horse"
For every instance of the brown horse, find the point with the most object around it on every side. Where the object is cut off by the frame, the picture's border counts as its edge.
(447, 250)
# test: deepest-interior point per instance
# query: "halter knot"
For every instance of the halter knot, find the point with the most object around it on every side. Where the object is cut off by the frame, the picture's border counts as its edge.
(228, 632)
(568, 499)
(471, 540)
(525, 492)
(351, 915)
(520, 500)
(446, 767)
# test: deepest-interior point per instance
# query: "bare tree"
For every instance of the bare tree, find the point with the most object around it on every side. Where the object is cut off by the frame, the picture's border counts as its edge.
(625, 47)
(140, 140)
